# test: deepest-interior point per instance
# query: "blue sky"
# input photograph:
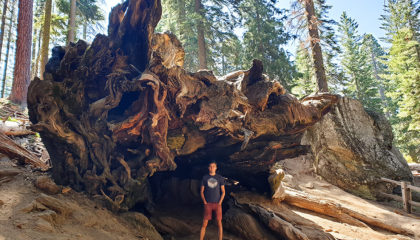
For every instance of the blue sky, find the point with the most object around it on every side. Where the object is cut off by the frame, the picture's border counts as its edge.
(365, 12)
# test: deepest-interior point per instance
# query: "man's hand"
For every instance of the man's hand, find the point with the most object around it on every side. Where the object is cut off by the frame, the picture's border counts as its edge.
(202, 195)
(223, 194)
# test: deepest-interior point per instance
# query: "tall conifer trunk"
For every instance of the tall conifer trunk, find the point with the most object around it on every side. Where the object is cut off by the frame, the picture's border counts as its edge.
(22, 73)
(202, 55)
(317, 59)
(46, 35)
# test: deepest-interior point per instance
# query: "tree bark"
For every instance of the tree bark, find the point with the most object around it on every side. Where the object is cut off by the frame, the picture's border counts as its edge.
(46, 35)
(10, 148)
(316, 46)
(22, 73)
(202, 50)
(329, 208)
(72, 22)
(3, 23)
(6, 60)
(113, 113)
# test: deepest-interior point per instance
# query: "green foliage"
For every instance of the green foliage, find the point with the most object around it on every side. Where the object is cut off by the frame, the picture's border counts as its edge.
(328, 40)
(304, 83)
(359, 81)
(88, 14)
(404, 77)
(264, 37)
(402, 24)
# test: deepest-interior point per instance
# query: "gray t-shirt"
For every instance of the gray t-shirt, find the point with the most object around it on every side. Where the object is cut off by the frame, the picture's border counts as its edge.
(212, 186)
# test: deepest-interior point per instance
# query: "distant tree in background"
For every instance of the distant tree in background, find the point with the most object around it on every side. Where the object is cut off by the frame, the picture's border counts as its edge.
(72, 22)
(359, 82)
(375, 54)
(264, 37)
(45, 35)
(9, 39)
(3, 24)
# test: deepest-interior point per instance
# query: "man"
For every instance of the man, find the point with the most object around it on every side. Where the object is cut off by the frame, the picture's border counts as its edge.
(212, 193)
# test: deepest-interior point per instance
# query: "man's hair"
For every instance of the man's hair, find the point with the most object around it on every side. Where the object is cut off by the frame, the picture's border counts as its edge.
(212, 161)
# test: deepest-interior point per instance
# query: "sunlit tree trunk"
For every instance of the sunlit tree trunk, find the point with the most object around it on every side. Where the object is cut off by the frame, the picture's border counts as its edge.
(6, 60)
(3, 23)
(202, 54)
(72, 22)
(45, 36)
(315, 46)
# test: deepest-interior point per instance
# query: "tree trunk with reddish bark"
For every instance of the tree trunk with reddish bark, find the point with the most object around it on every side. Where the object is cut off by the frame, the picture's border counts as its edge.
(22, 73)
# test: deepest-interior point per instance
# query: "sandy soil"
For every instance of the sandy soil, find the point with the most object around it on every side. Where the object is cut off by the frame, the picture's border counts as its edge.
(90, 220)
(87, 220)
(303, 178)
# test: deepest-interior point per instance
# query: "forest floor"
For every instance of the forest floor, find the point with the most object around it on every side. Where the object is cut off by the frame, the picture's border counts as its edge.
(27, 212)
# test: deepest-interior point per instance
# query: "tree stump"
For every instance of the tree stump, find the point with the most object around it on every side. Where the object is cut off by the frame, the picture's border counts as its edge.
(113, 113)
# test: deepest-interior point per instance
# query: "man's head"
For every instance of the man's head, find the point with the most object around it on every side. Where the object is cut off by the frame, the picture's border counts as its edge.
(212, 167)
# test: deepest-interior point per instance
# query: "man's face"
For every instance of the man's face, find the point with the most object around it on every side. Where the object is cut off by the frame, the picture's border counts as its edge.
(212, 168)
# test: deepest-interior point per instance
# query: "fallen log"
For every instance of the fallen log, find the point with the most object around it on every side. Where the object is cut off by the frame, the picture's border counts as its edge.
(13, 150)
(115, 112)
(329, 208)
(279, 218)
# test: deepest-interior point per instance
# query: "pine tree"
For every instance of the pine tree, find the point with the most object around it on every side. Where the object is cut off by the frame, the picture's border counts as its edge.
(375, 54)
(305, 81)
(403, 74)
(360, 82)
(264, 37)
(327, 38)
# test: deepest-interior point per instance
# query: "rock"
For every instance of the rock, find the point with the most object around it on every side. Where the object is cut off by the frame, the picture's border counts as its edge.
(55, 204)
(275, 180)
(33, 206)
(290, 181)
(309, 185)
(1, 203)
(245, 225)
(353, 149)
(142, 225)
(172, 226)
(48, 215)
(43, 226)
(47, 185)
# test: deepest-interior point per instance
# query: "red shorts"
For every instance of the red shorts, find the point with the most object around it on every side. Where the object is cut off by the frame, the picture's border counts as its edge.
(209, 208)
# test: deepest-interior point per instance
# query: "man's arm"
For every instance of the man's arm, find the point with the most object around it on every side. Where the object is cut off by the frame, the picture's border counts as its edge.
(202, 194)
(223, 194)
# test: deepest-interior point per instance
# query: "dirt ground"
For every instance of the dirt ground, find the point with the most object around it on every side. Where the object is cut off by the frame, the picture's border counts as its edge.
(389, 212)
(19, 219)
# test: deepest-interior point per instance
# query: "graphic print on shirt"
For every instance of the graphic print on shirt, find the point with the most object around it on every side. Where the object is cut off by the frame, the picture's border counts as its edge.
(212, 183)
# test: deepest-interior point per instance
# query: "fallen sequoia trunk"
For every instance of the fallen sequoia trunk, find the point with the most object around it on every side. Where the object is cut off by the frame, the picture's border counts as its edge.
(113, 113)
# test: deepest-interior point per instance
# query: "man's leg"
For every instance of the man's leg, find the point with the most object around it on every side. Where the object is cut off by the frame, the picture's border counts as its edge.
(219, 224)
(219, 220)
(203, 229)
